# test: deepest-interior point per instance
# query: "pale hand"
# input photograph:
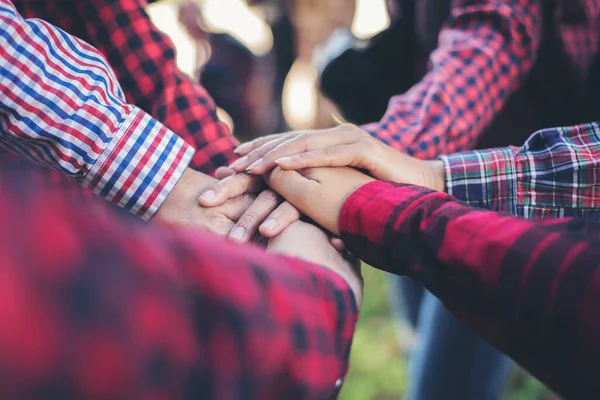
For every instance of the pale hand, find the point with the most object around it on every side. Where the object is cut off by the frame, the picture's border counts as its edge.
(345, 145)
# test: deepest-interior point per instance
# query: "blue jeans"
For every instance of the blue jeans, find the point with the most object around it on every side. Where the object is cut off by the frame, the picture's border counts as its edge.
(450, 362)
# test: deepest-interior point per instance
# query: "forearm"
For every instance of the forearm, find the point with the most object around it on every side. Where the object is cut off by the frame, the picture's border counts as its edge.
(69, 114)
(528, 288)
(485, 52)
(124, 309)
(552, 175)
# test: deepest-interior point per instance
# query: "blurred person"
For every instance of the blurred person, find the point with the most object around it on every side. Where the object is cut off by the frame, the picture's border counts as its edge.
(106, 307)
(143, 60)
(465, 75)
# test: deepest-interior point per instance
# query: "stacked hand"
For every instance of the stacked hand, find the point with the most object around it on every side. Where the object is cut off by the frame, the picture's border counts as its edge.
(237, 205)
(298, 158)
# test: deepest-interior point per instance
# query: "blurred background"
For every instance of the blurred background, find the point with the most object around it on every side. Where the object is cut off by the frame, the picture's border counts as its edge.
(261, 62)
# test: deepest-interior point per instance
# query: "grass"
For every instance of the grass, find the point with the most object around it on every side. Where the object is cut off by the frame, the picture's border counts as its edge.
(378, 368)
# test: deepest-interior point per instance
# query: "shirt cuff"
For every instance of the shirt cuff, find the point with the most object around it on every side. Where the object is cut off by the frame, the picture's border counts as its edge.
(484, 178)
(140, 166)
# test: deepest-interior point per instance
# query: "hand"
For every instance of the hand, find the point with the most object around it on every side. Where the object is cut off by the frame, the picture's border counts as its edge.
(309, 243)
(269, 213)
(320, 193)
(181, 206)
(345, 145)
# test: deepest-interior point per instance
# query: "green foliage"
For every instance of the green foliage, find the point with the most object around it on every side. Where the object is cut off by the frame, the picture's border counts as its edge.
(378, 367)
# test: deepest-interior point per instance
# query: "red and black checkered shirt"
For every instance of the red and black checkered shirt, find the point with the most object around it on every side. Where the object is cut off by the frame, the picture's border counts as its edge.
(486, 50)
(531, 288)
(96, 304)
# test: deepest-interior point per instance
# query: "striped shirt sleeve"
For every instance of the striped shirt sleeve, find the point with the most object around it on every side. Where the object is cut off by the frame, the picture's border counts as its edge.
(554, 174)
(61, 106)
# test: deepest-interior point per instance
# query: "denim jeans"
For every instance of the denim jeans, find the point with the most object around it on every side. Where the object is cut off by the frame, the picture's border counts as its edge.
(450, 362)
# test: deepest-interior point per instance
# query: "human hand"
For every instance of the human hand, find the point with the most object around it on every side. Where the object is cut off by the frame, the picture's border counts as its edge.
(320, 193)
(309, 243)
(269, 213)
(345, 145)
(181, 206)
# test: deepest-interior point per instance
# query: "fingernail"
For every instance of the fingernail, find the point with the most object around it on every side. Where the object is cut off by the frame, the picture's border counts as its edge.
(255, 164)
(240, 148)
(238, 163)
(238, 233)
(283, 160)
(270, 224)
(208, 195)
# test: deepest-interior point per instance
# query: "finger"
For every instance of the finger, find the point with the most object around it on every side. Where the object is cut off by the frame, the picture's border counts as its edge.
(243, 163)
(337, 156)
(304, 143)
(249, 222)
(228, 188)
(223, 172)
(279, 219)
(337, 243)
(247, 147)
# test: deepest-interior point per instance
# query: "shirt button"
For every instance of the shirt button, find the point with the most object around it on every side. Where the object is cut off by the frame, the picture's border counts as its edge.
(338, 383)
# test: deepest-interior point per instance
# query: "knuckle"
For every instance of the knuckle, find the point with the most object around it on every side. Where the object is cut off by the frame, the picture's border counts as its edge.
(249, 218)
(268, 196)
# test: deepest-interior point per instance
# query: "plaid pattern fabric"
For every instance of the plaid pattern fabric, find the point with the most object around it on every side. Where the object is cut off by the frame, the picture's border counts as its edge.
(143, 59)
(486, 50)
(553, 175)
(60, 105)
(95, 304)
(531, 288)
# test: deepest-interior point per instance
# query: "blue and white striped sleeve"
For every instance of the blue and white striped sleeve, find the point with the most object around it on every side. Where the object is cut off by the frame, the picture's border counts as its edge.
(61, 105)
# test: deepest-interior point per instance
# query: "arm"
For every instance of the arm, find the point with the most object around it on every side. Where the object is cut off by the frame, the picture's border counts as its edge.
(485, 52)
(143, 59)
(552, 175)
(62, 106)
(108, 307)
(531, 289)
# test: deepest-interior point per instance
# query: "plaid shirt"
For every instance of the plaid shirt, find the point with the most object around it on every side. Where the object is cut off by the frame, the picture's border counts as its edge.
(61, 105)
(485, 52)
(530, 288)
(95, 304)
(554, 174)
(143, 59)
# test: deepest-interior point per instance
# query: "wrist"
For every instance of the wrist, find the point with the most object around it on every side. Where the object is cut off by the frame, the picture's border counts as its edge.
(437, 176)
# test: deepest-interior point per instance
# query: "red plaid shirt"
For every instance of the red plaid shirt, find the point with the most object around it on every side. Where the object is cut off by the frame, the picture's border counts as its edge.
(530, 288)
(486, 50)
(95, 304)
(143, 59)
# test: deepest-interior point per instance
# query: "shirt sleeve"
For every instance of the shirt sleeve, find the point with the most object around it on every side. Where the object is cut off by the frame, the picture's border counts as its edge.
(552, 175)
(61, 106)
(143, 59)
(108, 307)
(485, 51)
(530, 288)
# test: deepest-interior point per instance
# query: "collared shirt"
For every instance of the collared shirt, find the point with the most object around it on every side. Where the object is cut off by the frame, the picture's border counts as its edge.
(531, 288)
(62, 106)
(95, 304)
(485, 52)
(143, 59)
(554, 174)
